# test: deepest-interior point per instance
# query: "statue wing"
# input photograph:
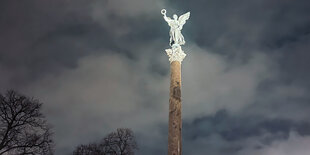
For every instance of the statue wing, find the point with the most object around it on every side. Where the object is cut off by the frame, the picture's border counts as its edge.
(183, 18)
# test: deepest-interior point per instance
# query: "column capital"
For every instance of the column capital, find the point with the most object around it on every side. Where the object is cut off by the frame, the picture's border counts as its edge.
(175, 53)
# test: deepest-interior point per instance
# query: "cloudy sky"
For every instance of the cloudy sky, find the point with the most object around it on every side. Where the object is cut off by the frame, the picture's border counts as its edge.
(98, 65)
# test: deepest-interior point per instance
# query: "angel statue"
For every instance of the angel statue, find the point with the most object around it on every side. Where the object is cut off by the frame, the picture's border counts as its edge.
(176, 26)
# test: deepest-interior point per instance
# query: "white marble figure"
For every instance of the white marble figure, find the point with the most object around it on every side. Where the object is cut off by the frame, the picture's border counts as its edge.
(176, 25)
(176, 38)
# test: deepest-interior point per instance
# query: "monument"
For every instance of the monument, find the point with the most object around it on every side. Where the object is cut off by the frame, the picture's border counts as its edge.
(176, 56)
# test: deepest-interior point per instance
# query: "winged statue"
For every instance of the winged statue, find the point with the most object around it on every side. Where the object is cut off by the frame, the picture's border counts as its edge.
(176, 25)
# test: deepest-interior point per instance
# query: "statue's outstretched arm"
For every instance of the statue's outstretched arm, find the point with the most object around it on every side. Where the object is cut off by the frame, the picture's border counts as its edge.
(167, 19)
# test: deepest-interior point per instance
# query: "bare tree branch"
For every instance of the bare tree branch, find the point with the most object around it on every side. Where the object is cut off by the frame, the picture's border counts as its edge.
(23, 128)
(121, 142)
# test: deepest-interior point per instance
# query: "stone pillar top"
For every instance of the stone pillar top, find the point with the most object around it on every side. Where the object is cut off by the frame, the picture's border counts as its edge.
(176, 53)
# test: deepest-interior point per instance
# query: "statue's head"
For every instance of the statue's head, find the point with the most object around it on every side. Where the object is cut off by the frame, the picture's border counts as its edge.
(175, 17)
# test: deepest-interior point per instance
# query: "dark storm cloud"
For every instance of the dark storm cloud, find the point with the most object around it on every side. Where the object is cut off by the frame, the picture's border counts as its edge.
(234, 128)
(55, 34)
(101, 64)
(27, 42)
(224, 134)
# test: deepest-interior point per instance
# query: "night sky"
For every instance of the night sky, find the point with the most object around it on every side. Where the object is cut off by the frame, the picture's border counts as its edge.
(98, 65)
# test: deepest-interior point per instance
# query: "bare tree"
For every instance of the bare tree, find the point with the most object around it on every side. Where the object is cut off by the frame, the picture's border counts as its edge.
(23, 128)
(90, 149)
(121, 142)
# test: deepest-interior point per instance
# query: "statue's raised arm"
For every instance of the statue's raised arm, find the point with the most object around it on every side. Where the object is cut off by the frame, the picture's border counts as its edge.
(183, 18)
(167, 19)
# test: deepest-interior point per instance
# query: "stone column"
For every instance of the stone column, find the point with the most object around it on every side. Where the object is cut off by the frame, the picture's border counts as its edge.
(176, 55)
(175, 107)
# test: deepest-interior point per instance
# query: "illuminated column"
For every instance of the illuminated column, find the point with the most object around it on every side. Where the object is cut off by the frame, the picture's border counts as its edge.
(176, 55)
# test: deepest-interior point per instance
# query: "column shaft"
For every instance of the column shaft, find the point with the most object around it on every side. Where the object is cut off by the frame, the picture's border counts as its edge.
(175, 119)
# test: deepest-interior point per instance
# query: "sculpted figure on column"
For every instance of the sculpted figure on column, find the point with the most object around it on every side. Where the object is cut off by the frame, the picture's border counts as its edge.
(176, 25)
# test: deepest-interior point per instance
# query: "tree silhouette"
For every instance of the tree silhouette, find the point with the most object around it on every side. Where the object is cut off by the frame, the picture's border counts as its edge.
(23, 129)
(121, 142)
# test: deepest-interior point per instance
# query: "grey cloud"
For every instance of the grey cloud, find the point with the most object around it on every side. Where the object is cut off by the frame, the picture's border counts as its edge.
(224, 133)
(222, 83)
(118, 94)
(295, 144)
(234, 128)
(99, 65)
